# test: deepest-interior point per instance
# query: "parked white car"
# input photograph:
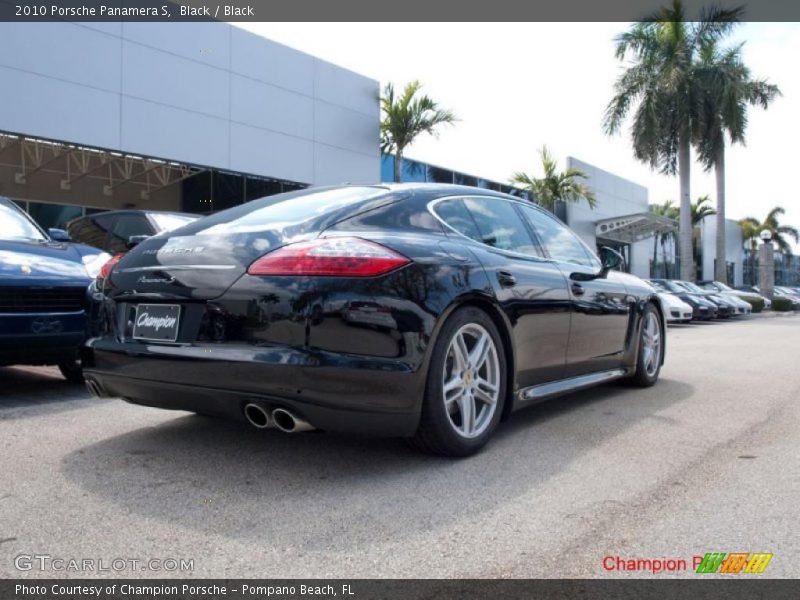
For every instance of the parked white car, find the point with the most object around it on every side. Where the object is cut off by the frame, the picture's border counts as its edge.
(742, 306)
(675, 309)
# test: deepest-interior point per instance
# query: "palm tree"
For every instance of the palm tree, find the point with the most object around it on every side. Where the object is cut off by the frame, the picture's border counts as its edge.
(727, 90)
(669, 210)
(700, 209)
(779, 232)
(555, 186)
(661, 81)
(407, 116)
(750, 235)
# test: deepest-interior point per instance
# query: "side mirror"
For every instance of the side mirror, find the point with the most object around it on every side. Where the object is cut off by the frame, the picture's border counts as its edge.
(135, 240)
(610, 259)
(58, 235)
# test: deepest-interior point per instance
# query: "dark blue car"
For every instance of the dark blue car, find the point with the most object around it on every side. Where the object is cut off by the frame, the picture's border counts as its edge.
(44, 297)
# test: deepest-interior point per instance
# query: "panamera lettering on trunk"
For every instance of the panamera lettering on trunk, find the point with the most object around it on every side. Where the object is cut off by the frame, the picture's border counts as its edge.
(156, 322)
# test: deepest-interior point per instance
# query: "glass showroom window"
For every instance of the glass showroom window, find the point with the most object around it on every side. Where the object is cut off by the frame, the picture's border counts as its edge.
(53, 215)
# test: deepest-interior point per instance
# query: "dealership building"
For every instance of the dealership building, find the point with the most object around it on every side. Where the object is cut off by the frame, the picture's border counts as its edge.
(194, 117)
(198, 117)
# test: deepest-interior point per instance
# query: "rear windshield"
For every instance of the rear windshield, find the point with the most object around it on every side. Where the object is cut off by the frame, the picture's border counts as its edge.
(282, 210)
(170, 221)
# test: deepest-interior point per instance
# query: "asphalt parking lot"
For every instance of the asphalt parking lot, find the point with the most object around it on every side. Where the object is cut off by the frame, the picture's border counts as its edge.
(708, 460)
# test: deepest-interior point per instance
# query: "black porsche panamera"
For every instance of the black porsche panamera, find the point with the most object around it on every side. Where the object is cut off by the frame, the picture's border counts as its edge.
(425, 311)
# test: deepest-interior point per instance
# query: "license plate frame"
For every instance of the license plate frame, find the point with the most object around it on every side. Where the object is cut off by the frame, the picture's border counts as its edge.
(162, 311)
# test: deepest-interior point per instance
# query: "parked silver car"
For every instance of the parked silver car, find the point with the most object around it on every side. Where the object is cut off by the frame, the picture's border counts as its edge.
(722, 288)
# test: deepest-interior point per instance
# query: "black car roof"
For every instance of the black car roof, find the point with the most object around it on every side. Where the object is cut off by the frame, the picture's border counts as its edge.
(442, 189)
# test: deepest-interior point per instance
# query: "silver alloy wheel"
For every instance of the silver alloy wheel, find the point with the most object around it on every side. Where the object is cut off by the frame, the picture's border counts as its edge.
(471, 380)
(651, 338)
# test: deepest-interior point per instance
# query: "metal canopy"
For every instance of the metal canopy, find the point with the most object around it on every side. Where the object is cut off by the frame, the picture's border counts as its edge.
(632, 228)
(29, 156)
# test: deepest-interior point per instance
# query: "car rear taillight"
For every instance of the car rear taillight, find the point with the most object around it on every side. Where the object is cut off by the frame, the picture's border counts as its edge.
(106, 269)
(330, 257)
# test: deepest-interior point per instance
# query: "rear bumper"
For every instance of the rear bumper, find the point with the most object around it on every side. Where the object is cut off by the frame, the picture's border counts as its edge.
(41, 339)
(703, 313)
(333, 392)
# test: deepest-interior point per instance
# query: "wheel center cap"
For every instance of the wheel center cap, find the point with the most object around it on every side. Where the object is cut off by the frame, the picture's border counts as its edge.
(468, 378)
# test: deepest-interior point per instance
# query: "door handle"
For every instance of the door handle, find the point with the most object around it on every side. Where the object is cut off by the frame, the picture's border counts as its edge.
(506, 279)
(577, 289)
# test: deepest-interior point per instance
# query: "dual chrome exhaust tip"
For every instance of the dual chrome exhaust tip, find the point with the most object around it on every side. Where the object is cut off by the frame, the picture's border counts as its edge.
(257, 416)
(284, 420)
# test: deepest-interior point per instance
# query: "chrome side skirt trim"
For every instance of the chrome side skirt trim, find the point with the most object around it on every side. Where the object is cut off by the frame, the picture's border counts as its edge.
(563, 386)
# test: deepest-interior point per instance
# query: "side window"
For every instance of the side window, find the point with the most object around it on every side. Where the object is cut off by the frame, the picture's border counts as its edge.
(558, 240)
(92, 230)
(499, 225)
(76, 228)
(455, 214)
(124, 228)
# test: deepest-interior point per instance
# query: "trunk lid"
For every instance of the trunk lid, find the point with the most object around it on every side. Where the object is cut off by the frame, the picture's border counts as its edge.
(203, 259)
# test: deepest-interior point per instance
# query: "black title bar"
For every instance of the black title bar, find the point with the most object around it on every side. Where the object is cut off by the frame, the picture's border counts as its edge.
(699, 588)
(373, 10)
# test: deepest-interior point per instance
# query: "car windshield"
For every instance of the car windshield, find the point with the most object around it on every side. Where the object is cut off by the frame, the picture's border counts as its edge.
(170, 221)
(14, 225)
(721, 286)
(692, 287)
(670, 286)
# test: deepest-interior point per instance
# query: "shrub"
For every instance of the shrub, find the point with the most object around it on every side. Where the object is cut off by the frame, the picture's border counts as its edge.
(781, 304)
(756, 302)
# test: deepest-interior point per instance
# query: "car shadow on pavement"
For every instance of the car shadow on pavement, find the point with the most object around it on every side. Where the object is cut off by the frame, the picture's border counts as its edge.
(25, 391)
(228, 479)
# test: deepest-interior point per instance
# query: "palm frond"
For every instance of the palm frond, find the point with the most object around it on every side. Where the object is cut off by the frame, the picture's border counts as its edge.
(408, 115)
(555, 186)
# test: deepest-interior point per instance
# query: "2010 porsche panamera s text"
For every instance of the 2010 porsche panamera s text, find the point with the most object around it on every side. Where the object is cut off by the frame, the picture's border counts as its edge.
(416, 310)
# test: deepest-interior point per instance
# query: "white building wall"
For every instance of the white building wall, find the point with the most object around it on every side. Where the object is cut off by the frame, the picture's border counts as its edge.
(734, 247)
(616, 196)
(209, 94)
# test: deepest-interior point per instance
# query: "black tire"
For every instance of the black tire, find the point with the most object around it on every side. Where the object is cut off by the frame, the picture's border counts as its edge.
(436, 433)
(72, 371)
(644, 376)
